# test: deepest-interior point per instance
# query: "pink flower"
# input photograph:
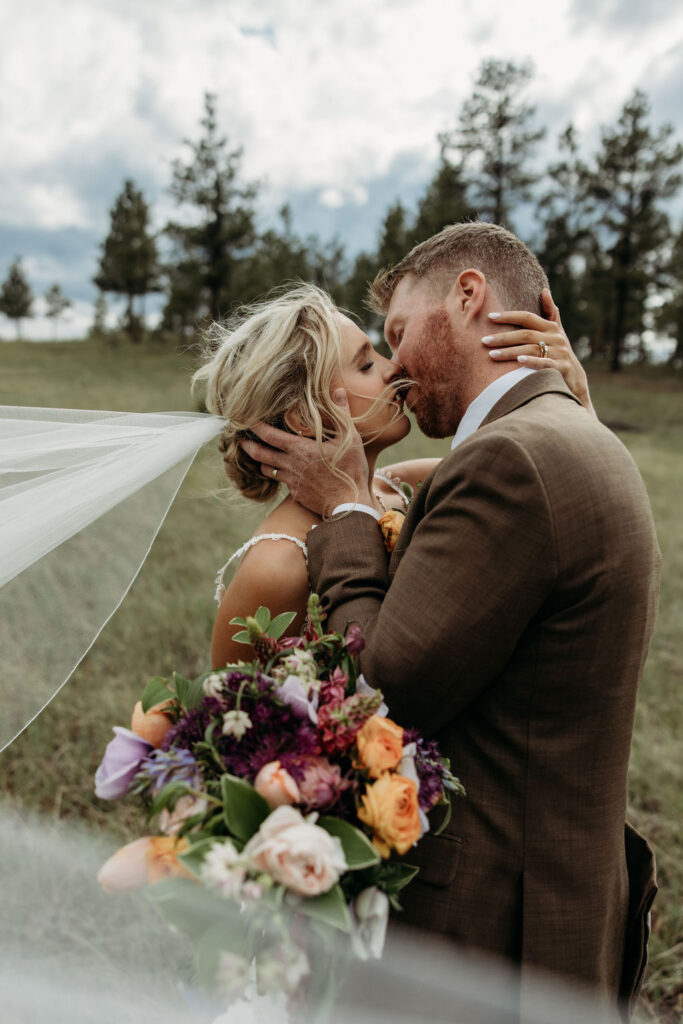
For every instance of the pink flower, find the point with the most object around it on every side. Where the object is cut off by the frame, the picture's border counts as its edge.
(299, 855)
(322, 783)
(334, 689)
(276, 785)
(143, 861)
(170, 822)
(354, 639)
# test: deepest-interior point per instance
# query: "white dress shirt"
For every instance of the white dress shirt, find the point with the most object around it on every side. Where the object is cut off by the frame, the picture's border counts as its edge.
(475, 414)
(478, 410)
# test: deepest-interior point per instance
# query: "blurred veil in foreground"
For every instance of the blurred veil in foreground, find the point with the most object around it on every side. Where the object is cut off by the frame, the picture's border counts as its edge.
(82, 497)
(73, 954)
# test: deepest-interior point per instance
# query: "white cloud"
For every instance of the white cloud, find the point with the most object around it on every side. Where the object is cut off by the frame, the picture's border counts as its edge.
(324, 97)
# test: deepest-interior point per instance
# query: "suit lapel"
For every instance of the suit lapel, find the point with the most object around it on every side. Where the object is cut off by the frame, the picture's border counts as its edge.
(542, 382)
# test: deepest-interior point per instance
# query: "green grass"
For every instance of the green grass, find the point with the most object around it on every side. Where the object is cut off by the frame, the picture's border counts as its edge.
(166, 619)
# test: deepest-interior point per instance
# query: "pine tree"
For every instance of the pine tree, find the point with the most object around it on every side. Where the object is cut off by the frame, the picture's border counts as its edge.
(15, 296)
(56, 303)
(635, 170)
(495, 139)
(669, 317)
(98, 327)
(221, 230)
(444, 202)
(129, 261)
(566, 238)
(277, 257)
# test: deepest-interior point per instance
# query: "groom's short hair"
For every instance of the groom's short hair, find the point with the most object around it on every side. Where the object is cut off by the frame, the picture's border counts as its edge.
(510, 267)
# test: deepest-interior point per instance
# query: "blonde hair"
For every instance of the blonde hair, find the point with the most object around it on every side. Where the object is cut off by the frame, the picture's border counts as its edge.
(277, 356)
(510, 267)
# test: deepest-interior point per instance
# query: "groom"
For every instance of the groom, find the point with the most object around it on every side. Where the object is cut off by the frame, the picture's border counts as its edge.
(511, 622)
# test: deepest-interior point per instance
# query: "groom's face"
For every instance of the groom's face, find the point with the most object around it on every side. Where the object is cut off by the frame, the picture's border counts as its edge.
(424, 343)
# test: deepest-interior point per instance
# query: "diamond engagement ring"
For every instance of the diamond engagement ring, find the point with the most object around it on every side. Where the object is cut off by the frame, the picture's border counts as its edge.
(542, 348)
(274, 473)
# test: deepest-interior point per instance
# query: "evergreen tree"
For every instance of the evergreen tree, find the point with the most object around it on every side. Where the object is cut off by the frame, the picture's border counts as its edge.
(278, 256)
(444, 202)
(99, 328)
(129, 261)
(566, 245)
(15, 296)
(635, 170)
(56, 304)
(669, 317)
(222, 219)
(495, 139)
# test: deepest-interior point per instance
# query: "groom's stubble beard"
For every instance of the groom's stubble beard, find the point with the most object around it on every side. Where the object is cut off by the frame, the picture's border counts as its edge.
(435, 368)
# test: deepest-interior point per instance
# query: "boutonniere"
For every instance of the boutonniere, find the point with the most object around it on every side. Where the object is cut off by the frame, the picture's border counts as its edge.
(390, 524)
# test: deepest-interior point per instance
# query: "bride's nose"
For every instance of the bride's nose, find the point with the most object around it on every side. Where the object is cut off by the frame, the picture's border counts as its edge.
(391, 371)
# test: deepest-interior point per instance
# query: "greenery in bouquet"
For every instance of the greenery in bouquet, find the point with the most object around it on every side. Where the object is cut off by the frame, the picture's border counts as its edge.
(281, 786)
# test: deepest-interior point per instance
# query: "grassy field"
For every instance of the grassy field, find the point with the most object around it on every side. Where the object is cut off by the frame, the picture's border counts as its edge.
(165, 621)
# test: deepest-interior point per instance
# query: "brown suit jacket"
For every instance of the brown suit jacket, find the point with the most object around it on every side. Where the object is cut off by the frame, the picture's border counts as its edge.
(512, 623)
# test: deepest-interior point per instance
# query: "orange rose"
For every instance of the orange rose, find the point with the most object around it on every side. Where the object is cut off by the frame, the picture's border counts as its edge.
(390, 525)
(151, 725)
(380, 745)
(390, 808)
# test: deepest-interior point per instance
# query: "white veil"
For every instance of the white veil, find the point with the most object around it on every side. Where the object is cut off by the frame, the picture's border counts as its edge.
(82, 496)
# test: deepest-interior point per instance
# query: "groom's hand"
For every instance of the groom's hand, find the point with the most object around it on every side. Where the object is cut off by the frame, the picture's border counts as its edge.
(318, 479)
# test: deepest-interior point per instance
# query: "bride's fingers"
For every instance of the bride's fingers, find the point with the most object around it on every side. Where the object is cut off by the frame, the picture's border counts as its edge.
(549, 307)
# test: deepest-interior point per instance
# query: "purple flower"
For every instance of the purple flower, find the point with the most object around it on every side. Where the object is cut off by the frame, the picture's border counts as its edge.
(302, 700)
(164, 766)
(354, 639)
(120, 764)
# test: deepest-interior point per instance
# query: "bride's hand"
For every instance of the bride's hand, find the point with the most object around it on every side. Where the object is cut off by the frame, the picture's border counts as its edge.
(319, 484)
(540, 344)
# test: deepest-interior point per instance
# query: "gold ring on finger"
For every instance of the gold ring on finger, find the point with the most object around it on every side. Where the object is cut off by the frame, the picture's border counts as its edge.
(543, 349)
(273, 473)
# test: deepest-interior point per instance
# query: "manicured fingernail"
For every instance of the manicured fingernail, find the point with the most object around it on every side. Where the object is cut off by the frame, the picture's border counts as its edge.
(494, 353)
(522, 359)
(488, 339)
(494, 316)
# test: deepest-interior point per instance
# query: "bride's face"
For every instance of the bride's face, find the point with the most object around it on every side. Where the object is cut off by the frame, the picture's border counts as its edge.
(367, 376)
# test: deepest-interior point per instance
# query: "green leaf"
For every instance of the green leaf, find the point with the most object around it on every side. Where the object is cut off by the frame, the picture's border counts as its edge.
(331, 908)
(171, 792)
(195, 692)
(262, 616)
(447, 816)
(358, 850)
(182, 688)
(155, 692)
(279, 624)
(396, 875)
(242, 637)
(243, 808)
(238, 621)
(189, 907)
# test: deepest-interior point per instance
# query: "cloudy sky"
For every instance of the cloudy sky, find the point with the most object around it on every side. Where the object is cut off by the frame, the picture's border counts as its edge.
(337, 103)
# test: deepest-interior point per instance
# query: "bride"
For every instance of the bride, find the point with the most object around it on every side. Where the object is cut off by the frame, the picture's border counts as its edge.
(280, 362)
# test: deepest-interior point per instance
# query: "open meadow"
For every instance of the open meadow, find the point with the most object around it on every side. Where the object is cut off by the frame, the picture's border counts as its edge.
(165, 622)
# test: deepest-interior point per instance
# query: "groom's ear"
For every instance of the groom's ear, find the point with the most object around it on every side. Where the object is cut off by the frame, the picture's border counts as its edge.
(468, 294)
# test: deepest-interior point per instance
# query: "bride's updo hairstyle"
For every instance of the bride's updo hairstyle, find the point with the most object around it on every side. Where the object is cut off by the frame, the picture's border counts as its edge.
(277, 356)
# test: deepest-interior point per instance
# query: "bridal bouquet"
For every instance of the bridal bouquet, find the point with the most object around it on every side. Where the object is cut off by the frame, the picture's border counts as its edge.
(285, 791)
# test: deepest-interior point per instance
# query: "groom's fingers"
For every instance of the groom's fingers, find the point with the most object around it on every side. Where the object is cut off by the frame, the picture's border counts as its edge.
(279, 439)
(263, 453)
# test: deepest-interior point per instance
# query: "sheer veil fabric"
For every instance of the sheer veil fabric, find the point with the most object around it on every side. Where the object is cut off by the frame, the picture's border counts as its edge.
(82, 496)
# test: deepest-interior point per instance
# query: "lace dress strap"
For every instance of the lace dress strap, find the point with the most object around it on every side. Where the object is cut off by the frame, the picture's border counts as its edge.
(220, 586)
(395, 483)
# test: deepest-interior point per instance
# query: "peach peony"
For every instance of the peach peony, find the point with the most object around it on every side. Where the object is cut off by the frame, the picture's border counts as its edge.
(390, 808)
(143, 862)
(296, 853)
(276, 785)
(380, 745)
(151, 725)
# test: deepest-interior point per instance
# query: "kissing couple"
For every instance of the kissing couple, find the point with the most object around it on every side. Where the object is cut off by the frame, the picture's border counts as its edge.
(511, 620)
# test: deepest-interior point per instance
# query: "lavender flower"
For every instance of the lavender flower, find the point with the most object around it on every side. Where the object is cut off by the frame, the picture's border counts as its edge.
(122, 759)
(164, 766)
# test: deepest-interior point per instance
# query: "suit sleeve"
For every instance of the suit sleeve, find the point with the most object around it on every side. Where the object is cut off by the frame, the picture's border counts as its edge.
(478, 565)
